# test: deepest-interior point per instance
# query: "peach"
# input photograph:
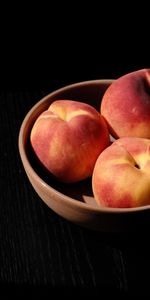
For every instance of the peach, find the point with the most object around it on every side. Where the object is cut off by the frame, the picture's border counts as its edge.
(121, 176)
(68, 138)
(126, 105)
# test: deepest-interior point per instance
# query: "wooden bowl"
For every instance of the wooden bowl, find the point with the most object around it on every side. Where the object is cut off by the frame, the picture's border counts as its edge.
(75, 202)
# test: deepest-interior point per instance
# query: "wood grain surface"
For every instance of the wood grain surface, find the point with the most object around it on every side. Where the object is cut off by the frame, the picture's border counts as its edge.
(39, 249)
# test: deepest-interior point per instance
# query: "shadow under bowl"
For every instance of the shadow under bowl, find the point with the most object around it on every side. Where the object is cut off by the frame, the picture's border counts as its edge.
(75, 202)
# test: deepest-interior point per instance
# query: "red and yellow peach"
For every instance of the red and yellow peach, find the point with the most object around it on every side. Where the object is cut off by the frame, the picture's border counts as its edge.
(126, 105)
(68, 138)
(121, 176)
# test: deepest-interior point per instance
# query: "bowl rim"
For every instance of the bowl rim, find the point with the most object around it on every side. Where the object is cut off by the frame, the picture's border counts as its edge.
(67, 199)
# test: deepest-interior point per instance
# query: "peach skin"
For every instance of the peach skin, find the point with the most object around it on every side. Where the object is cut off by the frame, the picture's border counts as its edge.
(126, 105)
(121, 176)
(68, 138)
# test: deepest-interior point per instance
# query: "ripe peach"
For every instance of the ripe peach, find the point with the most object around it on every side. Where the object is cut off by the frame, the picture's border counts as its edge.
(67, 139)
(126, 105)
(121, 176)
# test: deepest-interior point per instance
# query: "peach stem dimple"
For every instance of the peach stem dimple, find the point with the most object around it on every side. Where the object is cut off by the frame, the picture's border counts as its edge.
(137, 166)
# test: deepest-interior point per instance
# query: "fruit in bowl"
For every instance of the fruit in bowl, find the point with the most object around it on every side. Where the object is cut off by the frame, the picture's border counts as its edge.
(75, 202)
(68, 137)
(126, 105)
(121, 176)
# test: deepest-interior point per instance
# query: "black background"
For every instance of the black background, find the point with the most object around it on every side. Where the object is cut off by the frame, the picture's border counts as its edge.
(41, 252)
(56, 67)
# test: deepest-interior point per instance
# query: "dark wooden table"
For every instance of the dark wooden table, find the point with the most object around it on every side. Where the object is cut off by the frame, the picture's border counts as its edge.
(40, 251)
